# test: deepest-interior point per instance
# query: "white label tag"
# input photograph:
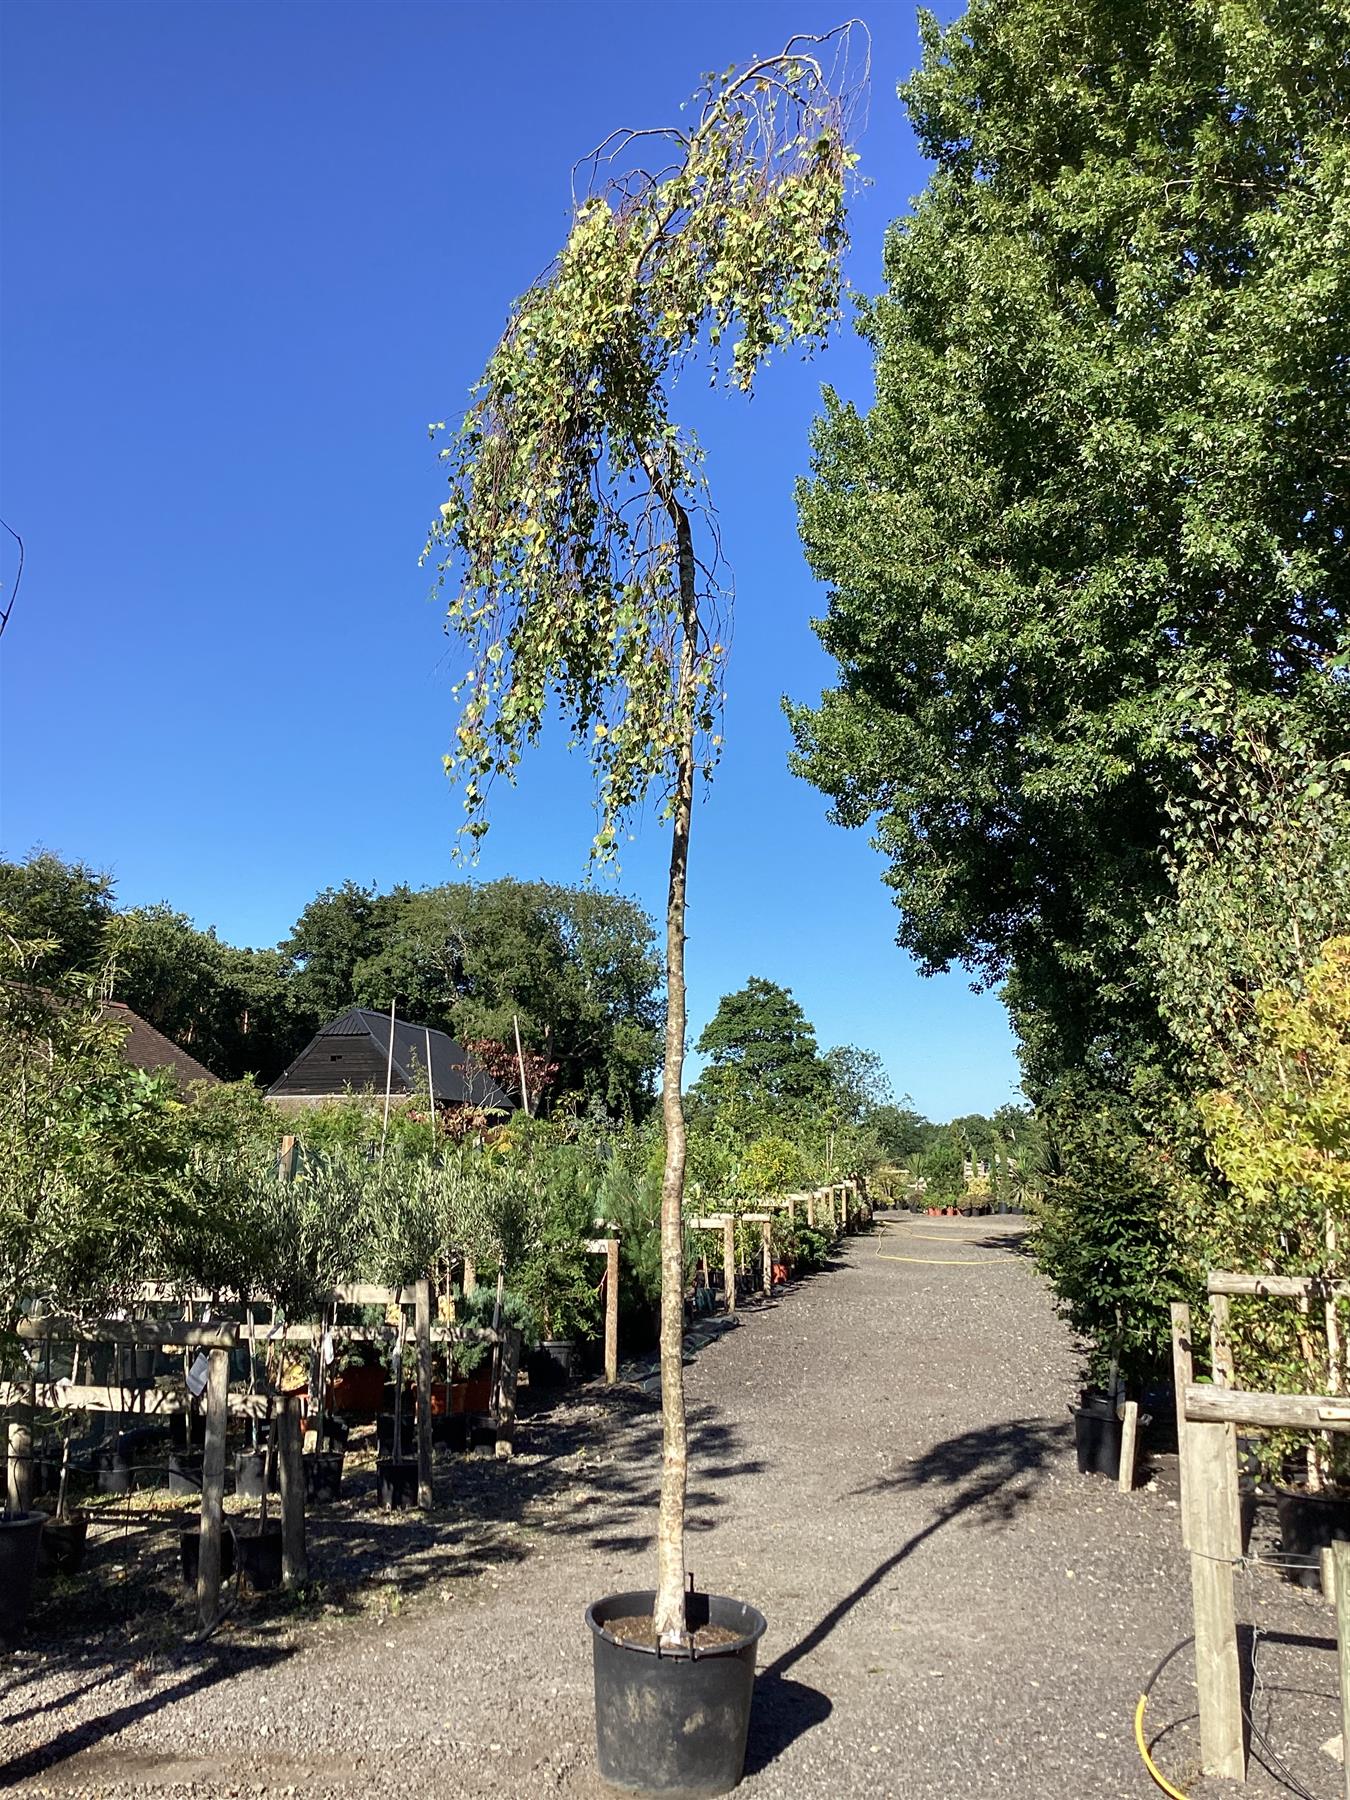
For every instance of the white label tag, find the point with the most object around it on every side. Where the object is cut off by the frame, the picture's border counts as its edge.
(327, 1348)
(196, 1375)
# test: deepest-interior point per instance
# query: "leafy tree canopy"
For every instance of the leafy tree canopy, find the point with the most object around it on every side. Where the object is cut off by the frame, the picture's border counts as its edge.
(762, 1051)
(1105, 466)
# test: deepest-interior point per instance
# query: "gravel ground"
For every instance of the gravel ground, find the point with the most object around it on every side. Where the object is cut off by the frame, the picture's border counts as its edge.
(882, 1462)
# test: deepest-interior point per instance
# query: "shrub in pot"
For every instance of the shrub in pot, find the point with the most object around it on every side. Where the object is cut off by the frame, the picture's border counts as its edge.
(620, 642)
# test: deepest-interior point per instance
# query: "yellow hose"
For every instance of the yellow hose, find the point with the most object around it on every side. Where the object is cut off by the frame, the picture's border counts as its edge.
(1149, 1763)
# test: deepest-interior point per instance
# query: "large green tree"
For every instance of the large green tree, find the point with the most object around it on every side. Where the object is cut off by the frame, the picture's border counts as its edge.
(762, 1054)
(1105, 464)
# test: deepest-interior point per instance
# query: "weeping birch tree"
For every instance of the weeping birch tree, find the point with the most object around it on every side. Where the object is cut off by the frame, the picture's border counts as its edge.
(577, 547)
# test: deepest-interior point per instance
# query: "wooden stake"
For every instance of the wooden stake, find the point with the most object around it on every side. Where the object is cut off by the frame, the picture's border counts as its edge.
(294, 1559)
(811, 1209)
(287, 1158)
(1340, 1557)
(213, 1489)
(611, 1310)
(1129, 1437)
(729, 1263)
(1182, 1375)
(766, 1238)
(1210, 1484)
(1225, 1376)
(506, 1392)
(422, 1327)
(520, 1064)
(388, 1089)
(21, 1450)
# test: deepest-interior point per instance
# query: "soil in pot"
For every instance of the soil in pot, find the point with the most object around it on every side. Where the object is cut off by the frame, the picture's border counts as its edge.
(323, 1477)
(695, 1707)
(1309, 1524)
(257, 1550)
(189, 1550)
(20, 1543)
(398, 1485)
(62, 1545)
(1096, 1431)
(249, 1467)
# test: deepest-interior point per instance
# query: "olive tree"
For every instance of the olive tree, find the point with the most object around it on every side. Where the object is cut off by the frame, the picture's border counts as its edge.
(576, 543)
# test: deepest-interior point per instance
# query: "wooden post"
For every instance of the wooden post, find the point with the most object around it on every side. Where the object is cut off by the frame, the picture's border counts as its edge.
(506, 1392)
(611, 1310)
(1182, 1376)
(1225, 1376)
(1129, 1439)
(1340, 1557)
(1210, 1483)
(792, 1208)
(470, 1274)
(844, 1197)
(766, 1238)
(287, 1157)
(294, 1560)
(811, 1208)
(422, 1329)
(729, 1263)
(213, 1489)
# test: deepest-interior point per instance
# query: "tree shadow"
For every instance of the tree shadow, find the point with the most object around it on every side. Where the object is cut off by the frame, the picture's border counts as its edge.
(994, 1470)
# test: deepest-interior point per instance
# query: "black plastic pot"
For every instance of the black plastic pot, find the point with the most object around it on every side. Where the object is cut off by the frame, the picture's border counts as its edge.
(694, 1709)
(323, 1477)
(113, 1467)
(384, 1432)
(482, 1434)
(1309, 1524)
(61, 1548)
(1096, 1431)
(552, 1363)
(398, 1484)
(189, 1549)
(452, 1430)
(249, 1468)
(20, 1541)
(257, 1552)
(185, 1471)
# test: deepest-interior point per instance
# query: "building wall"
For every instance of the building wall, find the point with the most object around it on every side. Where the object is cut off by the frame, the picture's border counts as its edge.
(332, 1065)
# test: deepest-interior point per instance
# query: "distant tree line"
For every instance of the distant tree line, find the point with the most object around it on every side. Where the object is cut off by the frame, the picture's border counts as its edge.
(576, 968)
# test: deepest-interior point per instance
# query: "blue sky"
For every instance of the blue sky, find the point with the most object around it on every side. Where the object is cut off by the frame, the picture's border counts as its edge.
(251, 248)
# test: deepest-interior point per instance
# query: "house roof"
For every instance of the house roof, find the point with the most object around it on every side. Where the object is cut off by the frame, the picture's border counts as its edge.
(456, 1079)
(148, 1049)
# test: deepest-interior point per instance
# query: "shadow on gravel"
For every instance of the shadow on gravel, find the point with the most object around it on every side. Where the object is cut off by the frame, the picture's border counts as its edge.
(783, 1712)
(91, 1733)
(993, 1471)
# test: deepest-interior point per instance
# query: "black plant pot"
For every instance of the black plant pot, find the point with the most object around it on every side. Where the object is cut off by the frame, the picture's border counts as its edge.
(113, 1467)
(189, 1550)
(694, 1709)
(249, 1468)
(398, 1484)
(1096, 1431)
(257, 1551)
(452, 1430)
(185, 1471)
(551, 1364)
(482, 1434)
(384, 1432)
(62, 1545)
(20, 1542)
(1309, 1524)
(323, 1477)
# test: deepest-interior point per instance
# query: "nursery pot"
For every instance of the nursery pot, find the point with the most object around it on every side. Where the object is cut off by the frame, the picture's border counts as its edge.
(323, 1476)
(1309, 1524)
(185, 1472)
(20, 1541)
(189, 1550)
(471, 1393)
(257, 1550)
(114, 1469)
(398, 1484)
(694, 1707)
(384, 1432)
(249, 1474)
(552, 1363)
(1096, 1431)
(61, 1546)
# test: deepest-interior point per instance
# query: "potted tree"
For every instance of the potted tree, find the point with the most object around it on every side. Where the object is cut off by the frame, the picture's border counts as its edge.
(569, 542)
(90, 1151)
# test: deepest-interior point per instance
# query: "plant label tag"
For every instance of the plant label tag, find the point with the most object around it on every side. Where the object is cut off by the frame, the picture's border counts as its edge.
(327, 1348)
(196, 1375)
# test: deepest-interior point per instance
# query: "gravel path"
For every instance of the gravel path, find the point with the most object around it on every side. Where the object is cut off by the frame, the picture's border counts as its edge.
(882, 1463)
